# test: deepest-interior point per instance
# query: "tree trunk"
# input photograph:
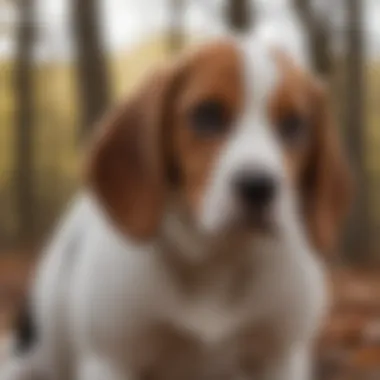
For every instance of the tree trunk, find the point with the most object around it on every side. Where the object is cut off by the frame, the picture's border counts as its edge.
(24, 118)
(318, 36)
(176, 35)
(358, 234)
(94, 90)
(239, 15)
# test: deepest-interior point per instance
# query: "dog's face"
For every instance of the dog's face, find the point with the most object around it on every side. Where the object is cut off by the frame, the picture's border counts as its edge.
(235, 134)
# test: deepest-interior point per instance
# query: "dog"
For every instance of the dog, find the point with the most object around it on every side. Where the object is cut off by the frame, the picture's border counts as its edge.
(195, 250)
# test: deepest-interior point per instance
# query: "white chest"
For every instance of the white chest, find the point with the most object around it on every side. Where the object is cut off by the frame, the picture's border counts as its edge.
(208, 320)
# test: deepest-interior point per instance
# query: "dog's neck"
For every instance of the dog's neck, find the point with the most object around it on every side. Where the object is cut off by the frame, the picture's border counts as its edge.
(196, 257)
(198, 261)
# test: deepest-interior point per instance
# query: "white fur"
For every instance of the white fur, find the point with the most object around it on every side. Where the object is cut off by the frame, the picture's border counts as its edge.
(254, 146)
(97, 292)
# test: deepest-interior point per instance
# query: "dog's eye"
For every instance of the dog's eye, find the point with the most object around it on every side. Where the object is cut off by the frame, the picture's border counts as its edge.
(293, 129)
(209, 117)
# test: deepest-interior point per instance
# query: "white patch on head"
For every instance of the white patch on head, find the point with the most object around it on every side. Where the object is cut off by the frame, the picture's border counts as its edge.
(253, 147)
(279, 27)
(283, 32)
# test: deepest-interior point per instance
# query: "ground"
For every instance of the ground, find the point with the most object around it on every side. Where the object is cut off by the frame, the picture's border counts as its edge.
(350, 344)
(349, 348)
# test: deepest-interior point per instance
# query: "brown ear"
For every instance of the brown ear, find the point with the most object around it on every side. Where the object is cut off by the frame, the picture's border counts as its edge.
(328, 179)
(126, 168)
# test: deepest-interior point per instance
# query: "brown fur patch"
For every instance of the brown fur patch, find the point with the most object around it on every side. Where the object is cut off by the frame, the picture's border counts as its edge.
(318, 166)
(215, 73)
(294, 95)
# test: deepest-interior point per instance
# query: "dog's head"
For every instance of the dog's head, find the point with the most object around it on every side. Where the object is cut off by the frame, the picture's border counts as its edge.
(232, 132)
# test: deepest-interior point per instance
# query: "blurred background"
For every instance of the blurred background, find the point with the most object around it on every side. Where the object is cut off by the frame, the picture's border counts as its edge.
(63, 62)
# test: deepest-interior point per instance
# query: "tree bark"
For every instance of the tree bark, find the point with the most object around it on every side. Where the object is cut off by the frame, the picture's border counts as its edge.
(93, 83)
(239, 15)
(24, 118)
(176, 33)
(358, 233)
(318, 36)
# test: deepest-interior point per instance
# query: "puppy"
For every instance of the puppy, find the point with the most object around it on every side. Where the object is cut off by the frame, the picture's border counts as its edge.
(194, 249)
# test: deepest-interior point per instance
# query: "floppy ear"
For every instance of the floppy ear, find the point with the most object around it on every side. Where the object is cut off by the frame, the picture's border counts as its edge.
(126, 168)
(328, 179)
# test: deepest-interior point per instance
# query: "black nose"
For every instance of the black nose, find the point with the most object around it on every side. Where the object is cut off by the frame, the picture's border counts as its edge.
(256, 189)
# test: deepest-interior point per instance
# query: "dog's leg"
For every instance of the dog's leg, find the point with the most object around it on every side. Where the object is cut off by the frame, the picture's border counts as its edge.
(23, 368)
(292, 366)
(99, 369)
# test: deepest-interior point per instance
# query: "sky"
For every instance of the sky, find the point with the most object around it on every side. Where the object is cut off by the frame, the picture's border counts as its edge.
(126, 22)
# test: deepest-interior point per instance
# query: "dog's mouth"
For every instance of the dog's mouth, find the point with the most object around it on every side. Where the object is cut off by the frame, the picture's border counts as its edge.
(257, 220)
